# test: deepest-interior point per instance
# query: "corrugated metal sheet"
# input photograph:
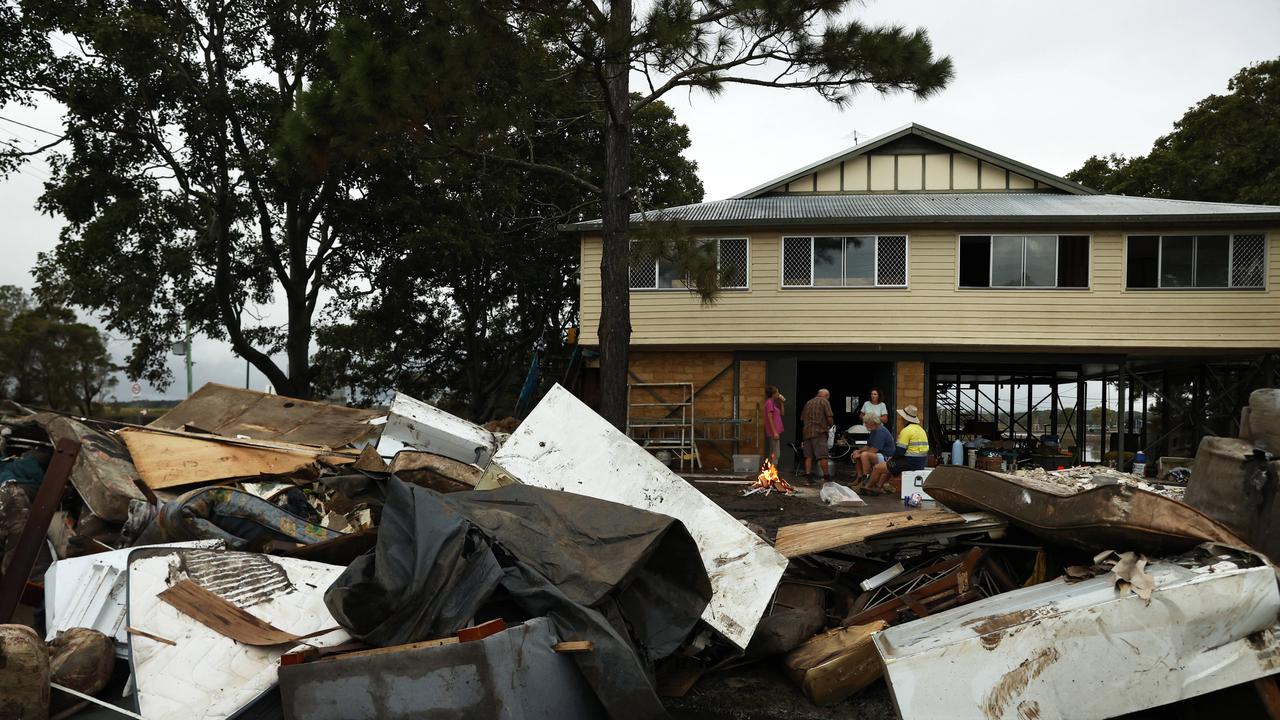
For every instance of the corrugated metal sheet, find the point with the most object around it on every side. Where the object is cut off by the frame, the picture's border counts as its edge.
(946, 207)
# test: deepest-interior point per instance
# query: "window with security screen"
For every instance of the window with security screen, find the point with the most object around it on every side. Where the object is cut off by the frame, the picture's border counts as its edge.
(734, 258)
(844, 261)
(658, 273)
(1211, 261)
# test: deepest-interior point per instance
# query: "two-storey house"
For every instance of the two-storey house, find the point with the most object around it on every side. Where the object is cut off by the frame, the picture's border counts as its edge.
(943, 273)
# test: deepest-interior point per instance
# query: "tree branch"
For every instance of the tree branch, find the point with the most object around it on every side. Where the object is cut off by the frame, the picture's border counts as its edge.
(536, 167)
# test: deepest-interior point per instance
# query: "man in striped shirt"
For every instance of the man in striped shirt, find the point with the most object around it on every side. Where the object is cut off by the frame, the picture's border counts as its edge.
(817, 418)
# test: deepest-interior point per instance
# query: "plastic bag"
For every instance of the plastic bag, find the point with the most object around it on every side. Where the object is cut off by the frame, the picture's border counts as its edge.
(837, 494)
(831, 437)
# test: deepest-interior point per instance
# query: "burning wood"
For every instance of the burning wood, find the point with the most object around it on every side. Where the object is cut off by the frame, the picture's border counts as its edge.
(768, 481)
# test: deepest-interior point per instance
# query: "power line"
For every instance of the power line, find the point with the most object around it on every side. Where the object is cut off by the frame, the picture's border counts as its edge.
(68, 45)
(33, 175)
(30, 127)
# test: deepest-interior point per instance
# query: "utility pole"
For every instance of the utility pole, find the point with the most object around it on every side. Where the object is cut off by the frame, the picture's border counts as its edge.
(188, 358)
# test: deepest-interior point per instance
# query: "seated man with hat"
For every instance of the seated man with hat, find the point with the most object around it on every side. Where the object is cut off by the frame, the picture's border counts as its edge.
(911, 452)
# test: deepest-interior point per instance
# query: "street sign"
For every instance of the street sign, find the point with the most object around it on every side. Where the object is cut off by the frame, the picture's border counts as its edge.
(136, 389)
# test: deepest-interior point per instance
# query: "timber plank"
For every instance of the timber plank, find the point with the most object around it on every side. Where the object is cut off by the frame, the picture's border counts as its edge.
(169, 459)
(220, 615)
(807, 538)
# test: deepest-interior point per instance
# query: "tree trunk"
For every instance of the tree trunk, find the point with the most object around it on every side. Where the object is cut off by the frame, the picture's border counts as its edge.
(297, 344)
(298, 350)
(615, 292)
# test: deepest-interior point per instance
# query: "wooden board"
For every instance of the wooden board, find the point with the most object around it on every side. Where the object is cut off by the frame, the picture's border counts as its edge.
(169, 459)
(221, 616)
(807, 538)
(232, 411)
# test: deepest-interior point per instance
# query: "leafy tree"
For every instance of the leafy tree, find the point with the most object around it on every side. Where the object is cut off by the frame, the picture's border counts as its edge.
(49, 358)
(203, 155)
(466, 276)
(23, 51)
(1224, 149)
(707, 45)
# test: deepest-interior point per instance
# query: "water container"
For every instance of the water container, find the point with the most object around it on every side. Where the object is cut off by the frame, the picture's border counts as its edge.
(957, 452)
(1140, 463)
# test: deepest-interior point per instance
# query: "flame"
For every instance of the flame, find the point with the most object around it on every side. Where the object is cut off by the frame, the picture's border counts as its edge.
(769, 479)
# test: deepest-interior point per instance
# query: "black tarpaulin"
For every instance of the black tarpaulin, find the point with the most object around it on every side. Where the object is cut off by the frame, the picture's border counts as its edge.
(629, 580)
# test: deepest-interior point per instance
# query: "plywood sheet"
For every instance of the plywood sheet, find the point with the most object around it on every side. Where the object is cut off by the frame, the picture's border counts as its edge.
(807, 538)
(170, 459)
(231, 411)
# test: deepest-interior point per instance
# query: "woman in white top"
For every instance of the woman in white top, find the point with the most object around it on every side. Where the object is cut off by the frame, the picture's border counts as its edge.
(876, 407)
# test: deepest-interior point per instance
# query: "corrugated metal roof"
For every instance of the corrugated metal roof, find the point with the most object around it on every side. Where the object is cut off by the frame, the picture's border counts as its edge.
(933, 208)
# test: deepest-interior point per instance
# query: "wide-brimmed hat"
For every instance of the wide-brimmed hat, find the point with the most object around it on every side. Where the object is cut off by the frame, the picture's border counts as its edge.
(910, 413)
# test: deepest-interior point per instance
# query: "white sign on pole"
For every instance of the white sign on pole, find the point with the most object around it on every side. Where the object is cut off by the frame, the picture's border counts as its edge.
(136, 389)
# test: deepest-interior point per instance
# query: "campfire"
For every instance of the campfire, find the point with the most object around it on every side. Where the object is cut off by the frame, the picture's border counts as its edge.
(768, 481)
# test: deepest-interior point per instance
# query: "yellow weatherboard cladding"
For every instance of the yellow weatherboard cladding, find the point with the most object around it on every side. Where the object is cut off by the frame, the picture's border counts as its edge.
(932, 312)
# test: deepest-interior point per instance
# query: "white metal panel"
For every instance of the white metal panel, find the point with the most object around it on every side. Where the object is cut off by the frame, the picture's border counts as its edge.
(564, 445)
(415, 425)
(206, 675)
(1083, 650)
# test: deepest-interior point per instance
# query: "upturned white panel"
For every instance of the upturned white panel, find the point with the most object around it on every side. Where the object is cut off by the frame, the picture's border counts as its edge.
(564, 445)
(415, 425)
(1085, 650)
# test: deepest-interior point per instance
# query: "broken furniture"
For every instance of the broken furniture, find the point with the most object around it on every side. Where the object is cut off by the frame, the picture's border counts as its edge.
(836, 664)
(1237, 486)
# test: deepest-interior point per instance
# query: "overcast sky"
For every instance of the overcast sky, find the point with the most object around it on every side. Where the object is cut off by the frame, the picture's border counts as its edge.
(1048, 84)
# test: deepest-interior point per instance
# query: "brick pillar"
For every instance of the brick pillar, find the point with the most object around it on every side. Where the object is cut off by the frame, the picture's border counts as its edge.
(910, 387)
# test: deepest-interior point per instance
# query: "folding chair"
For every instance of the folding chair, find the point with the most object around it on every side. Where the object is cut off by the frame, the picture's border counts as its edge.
(797, 465)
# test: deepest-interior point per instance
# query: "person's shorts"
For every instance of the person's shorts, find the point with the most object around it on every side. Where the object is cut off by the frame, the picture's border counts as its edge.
(815, 448)
(772, 446)
(901, 463)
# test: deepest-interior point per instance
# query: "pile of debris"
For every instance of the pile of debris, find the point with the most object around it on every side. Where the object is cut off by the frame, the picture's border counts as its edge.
(1086, 477)
(252, 554)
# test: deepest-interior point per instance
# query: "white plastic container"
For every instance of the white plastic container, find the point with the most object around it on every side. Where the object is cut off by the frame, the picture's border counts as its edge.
(746, 464)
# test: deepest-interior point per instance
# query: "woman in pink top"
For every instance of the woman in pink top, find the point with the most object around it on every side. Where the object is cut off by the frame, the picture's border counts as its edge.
(773, 401)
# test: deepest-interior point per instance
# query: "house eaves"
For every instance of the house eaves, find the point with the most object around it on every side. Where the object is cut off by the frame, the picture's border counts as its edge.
(951, 209)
